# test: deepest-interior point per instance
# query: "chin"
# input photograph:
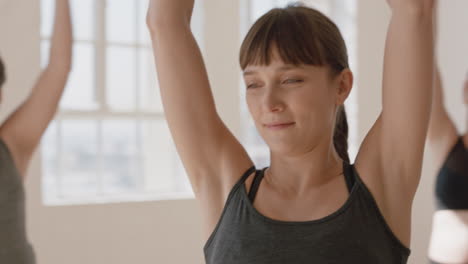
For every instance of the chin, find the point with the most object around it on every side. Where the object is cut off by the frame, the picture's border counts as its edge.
(283, 148)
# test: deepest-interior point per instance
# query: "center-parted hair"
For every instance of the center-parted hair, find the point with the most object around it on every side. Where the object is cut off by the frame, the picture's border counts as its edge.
(301, 35)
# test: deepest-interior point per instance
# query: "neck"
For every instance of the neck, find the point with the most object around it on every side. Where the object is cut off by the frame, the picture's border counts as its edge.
(296, 174)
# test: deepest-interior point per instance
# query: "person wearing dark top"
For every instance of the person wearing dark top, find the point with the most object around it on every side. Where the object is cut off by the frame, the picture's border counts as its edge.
(20, 134)
(311, 205)
(449, 149)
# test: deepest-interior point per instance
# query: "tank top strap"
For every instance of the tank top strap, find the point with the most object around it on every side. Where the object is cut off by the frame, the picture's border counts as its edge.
(347, 171)
(247, 174)
(458, 147)
(244, 177)
(349, 175)
(240, 182)
(255, 184)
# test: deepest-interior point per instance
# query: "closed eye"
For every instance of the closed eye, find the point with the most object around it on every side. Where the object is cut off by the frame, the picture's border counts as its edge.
(252, 85)
(288, 81)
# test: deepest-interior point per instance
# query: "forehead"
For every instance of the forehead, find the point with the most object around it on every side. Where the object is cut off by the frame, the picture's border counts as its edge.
(278, 66)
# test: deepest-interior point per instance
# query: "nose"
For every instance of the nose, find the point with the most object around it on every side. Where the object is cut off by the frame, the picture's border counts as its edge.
(272, 101)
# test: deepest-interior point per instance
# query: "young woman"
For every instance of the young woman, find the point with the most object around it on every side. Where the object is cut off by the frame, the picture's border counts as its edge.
(449, 239)
(310, 205)
(20, 135)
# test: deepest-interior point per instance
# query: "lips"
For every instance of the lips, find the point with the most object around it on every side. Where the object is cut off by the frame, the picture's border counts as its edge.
(279, 125)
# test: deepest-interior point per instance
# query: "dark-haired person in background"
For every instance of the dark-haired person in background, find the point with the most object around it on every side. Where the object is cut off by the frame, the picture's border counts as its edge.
(311, 205)
(449, 149)
(20, 135)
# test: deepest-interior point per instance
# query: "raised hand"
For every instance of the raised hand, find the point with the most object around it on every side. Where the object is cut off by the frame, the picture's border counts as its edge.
(162, 11)
(413, 6)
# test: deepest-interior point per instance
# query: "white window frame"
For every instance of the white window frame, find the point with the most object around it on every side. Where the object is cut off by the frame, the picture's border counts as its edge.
(102, 113)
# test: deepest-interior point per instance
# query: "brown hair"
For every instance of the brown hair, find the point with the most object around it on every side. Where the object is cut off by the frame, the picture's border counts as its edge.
(2, 73)
(301, 35)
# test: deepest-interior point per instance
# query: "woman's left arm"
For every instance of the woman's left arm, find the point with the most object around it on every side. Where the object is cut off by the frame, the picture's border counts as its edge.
(390, 158)
(394, 146)
(407, 92)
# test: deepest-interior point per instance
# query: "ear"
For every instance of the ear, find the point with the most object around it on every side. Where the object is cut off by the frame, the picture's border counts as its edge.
(344, 86)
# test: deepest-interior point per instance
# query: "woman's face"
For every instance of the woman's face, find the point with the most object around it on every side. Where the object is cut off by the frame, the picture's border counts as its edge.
(303, 96)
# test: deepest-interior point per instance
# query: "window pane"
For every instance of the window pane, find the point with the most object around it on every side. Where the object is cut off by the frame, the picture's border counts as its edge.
(50, 163)
(121, 21)
(143, 33)
(121, 80)
(82, 12)
(283, 3)
(47, 17)
(79, 94)
(120, 152)
(150, 97)
(83, 19)
(45, 47)
(161, 168)
(79, 160)
(323, 6)
(259, 8)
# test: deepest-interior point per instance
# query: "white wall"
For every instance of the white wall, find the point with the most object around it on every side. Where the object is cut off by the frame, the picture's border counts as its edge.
(453, 56)
(170, 231)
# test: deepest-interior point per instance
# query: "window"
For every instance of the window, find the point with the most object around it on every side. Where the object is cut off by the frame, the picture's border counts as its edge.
(343, 13)
(109, 141)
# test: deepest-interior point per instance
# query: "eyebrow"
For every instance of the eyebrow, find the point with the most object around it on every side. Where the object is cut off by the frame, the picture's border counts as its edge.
(282, 68)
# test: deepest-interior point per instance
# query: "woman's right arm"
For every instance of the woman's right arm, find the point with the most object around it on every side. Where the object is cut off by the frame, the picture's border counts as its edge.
(213, 159)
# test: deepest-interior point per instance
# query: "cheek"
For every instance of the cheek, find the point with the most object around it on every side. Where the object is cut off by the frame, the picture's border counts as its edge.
(317, 101)
(252, 105)
(316, 110)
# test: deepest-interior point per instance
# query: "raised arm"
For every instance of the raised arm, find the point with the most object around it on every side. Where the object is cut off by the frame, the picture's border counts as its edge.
(407, 89)
(212, 157)
(390, 158)
(396, 142)
(23, 130)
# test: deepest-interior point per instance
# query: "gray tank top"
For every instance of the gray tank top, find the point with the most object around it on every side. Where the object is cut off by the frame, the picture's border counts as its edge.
(355, 233)
(14, 246)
